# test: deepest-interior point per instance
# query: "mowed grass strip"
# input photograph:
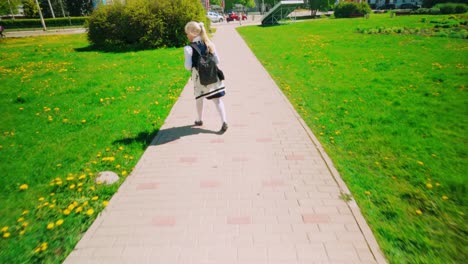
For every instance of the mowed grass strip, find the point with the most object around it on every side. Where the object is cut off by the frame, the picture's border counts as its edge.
(391, 112)
(68, 113)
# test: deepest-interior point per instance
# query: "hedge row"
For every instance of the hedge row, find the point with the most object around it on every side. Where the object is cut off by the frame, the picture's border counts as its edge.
(50, 22)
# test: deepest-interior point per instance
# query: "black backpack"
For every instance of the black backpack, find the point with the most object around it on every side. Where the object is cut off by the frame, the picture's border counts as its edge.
(206, 66)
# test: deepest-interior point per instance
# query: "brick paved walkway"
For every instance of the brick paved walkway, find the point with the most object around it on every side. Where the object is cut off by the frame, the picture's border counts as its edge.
(263, 192)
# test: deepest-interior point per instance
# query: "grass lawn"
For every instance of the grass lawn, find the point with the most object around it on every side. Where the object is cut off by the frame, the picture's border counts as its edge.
(391, 111)
(68, 113)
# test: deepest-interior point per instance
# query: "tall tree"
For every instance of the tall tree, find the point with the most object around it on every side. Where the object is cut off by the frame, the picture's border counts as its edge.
(79, 7)
(215, 2)
(318, 5)
(8, 7)
(30, 8)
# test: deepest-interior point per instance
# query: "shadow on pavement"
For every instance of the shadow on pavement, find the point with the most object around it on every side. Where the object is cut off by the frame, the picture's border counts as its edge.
(171, 134)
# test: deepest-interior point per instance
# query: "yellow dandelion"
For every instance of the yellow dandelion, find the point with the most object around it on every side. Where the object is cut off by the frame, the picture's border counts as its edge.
(37, 250)
(79, 210)
(105, 203)
(437, 184)
(25, 212)
(66, 212)
(52, 194)
(23, 187)
(121, 148)
(79, 189)
(21, 219)
(85, 203)
(59, 165)
(50, 225)
(82, 176)
(72, 186)
(428, 185)
(44, 246)
(70, 178)
(22, 232)
(80, 184)
(367, 193)
(108, 159)
(420, 162)
(5, 228)
(95, 198)
(59, 222)
(124, 173)
(445, 197)
(83, 121)
(6, 235)
(117, 166)
(25, 224)
(418, 212)
(41, 199)
(90, 211)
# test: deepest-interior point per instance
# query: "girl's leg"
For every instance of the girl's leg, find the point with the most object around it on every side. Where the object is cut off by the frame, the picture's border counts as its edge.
(222, 112)
(199, 103)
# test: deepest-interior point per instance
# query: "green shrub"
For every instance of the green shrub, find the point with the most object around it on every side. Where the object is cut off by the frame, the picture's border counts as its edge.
(452, 8)
(50, 22)
(350, 9)
(144, 23)
(430, 11)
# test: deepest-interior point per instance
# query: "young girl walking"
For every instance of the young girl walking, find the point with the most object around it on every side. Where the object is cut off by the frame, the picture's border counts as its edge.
(196, 34)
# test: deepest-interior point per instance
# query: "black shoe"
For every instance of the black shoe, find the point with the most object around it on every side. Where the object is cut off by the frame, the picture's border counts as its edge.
(224, 127)
(199, 123)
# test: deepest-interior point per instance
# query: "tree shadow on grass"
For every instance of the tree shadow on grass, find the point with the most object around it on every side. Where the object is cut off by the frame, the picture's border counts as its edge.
(160, 137)
(111, 49)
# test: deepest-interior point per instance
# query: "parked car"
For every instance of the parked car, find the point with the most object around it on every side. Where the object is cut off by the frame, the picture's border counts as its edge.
(408, 6)
(386, 6)
(235, 17)
(214, 17)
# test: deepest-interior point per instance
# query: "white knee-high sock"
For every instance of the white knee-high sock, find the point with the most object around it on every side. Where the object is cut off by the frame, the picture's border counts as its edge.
(220, 106)
(199, 103)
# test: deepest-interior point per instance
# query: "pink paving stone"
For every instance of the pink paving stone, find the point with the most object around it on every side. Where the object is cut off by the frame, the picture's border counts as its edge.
(239, 125)
(294, 157)
(147, 186)
(163, 221)
(239, 220)
(264, 140)
(273, 183)
(238, 159)
(188, 159)
(315, 218)
(281, 123)
(209, 184)
(218, 140)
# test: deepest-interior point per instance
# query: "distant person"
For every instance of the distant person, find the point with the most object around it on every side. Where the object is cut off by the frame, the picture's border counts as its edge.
(1, 31)
(196, 34)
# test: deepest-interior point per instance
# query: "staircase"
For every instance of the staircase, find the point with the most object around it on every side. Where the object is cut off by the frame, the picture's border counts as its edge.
(280, 11)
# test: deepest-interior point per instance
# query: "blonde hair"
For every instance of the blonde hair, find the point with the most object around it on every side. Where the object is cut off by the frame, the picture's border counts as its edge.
(196, 29)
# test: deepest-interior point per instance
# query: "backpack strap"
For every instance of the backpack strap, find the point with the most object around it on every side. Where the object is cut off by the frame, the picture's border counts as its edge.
(195, 47)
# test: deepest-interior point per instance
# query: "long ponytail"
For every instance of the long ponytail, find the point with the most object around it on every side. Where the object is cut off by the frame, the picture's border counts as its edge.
(205, 38)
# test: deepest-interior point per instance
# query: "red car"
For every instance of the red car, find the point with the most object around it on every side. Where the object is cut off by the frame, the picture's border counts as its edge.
(234, 17)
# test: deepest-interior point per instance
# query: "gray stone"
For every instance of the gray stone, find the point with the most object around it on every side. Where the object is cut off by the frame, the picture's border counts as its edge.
(107, 177)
